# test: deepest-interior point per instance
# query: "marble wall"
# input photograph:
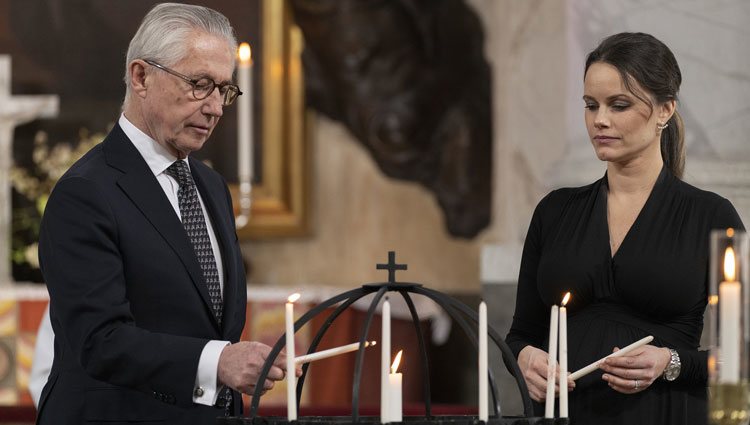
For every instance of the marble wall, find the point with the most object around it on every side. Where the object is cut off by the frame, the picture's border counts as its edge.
(709, 40)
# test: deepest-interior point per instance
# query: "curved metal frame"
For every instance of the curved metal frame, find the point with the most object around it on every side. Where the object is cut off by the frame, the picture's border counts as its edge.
(457, 310)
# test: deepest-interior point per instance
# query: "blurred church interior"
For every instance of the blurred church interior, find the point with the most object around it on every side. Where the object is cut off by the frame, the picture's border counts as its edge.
(428, 128)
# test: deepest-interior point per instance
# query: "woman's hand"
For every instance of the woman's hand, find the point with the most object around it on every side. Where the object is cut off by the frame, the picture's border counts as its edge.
(635, 372)
(533, 364)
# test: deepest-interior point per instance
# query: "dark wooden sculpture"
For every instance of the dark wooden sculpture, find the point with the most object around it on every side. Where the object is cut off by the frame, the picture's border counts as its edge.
(408, 78)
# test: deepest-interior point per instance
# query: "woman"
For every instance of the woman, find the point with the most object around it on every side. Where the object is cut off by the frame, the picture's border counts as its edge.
(632, 248)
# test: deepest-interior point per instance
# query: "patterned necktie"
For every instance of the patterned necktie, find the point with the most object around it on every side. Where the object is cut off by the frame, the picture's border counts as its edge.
(194, 223)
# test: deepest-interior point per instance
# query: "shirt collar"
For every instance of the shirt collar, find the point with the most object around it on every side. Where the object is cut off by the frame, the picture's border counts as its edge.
(157, 157)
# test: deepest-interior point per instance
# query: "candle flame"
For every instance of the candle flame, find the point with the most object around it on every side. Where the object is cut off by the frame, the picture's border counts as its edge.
(713, 300)
(396, 362)
(373, 343)
(244, 53)
(294, 297)
(566, 298)
(729, 265)
(730, 232)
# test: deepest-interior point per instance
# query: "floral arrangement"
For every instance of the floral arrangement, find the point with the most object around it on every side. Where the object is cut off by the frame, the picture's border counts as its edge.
(34, 186)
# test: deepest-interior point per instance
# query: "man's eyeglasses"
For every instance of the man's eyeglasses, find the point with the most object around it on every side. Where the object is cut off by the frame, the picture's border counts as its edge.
(203, 87)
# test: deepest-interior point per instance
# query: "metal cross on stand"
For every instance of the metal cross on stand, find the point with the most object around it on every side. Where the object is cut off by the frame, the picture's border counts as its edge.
(14, 111)
(391, 267)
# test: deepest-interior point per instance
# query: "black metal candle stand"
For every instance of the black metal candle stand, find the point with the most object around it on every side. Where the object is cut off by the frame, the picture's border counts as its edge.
(408, 420)
(457, 310)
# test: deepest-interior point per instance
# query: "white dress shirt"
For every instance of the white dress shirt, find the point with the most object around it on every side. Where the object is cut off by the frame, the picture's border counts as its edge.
(159, 159)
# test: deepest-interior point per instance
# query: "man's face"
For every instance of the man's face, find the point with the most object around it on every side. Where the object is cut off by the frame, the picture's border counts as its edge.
(172, 114)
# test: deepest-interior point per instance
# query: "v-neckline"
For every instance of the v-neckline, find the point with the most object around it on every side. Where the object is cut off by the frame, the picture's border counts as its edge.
(605, 191)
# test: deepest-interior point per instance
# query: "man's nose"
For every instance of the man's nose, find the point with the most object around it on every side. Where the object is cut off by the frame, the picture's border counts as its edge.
(214, 104)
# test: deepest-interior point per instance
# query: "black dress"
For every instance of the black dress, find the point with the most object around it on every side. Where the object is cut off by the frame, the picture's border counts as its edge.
(656, 284)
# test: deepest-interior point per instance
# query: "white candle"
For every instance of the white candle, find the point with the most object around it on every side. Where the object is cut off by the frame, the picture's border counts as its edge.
(621, 352)
(564, 357)
(245, 115)
(291, 378)
(385, 357)
(395, 413)
(729, 322)
(483, 409)
(549, 403)
(320, 355)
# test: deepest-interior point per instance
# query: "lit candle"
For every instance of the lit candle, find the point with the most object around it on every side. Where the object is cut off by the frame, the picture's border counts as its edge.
(483, 410)
(395, 413)
(385, 356)
(564, 357)
(729, 321)
(291, 378)
(549, 403)
(245, 116)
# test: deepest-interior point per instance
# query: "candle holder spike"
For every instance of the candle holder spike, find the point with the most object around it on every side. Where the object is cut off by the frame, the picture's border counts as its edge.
(460, 313)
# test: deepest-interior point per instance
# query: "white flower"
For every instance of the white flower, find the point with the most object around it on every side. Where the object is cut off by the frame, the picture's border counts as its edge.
(31, 254)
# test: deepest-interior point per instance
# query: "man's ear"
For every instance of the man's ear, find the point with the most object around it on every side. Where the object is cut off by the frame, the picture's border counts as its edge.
(138, 78)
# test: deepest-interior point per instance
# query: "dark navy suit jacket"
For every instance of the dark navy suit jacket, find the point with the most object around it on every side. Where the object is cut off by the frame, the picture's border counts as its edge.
(129, 306)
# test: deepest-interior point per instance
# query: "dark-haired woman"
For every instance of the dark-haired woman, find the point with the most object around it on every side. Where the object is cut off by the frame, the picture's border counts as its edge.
(632, 248)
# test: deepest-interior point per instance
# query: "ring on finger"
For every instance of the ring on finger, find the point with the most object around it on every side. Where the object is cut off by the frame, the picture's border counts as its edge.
(636, 385)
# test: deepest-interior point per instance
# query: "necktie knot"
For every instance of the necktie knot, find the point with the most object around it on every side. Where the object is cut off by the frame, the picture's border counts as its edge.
(180, 172)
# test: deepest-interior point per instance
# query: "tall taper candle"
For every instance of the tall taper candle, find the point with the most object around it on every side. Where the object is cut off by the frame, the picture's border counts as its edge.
(483, 407)
(549, 403)
(730, 304)
(245, 115)
(564, 357)
(291, 377)
(385, 359)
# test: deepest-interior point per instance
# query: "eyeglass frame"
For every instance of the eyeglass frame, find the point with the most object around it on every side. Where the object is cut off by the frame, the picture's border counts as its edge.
(194, 83)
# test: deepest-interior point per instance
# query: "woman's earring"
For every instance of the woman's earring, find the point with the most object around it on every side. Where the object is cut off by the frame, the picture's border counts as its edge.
(662, 126)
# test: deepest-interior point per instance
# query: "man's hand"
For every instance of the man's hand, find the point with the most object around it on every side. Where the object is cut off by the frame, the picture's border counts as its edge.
(240, 365)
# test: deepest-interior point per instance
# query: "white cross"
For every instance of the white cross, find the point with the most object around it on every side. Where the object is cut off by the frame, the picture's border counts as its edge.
(14, 111)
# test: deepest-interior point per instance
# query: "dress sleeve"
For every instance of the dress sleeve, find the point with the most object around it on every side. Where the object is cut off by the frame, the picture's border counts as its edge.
(693, 366)
(694, 363)
(531, 317)
(726, 216)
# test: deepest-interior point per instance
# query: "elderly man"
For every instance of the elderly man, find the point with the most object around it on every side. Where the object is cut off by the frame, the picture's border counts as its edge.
(139, 250)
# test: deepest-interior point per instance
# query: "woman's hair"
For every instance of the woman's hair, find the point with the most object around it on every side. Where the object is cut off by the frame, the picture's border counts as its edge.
(643, 59)
(162, 36)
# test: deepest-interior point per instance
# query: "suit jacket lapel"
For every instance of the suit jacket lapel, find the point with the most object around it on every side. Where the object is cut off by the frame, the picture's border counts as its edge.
(217, 210)
(140, 185)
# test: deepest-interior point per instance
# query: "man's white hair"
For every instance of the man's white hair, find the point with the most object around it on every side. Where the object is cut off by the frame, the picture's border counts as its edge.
(162, 36)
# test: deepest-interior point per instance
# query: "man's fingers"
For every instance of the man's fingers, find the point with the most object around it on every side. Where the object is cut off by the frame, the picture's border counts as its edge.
(276, 373)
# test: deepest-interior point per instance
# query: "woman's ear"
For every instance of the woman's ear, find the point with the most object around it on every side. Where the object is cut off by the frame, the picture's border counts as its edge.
(666, 110)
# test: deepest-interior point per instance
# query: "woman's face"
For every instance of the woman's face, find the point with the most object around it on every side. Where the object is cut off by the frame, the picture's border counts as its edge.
(622, 128)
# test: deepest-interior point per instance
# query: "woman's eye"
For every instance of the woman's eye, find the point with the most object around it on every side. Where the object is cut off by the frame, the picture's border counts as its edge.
(620, 106)
(591, 106)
